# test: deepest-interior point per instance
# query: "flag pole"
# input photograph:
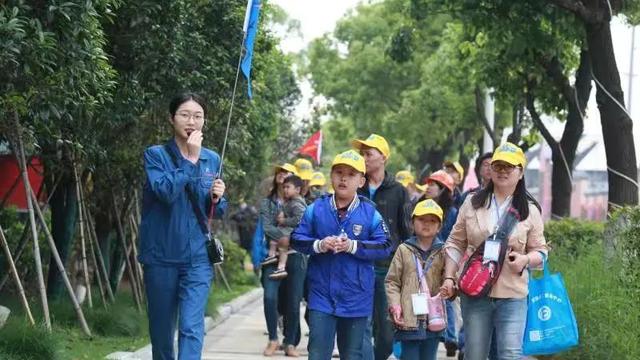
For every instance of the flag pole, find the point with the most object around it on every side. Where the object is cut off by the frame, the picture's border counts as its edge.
(235, 84)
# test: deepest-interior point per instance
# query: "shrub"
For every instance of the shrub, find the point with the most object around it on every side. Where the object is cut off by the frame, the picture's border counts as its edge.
(572, 237)
(18, 341)
(627, 245)
(233, 265)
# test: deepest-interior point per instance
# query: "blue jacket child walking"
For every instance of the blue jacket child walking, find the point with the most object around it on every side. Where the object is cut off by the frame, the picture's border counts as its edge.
(343, 234)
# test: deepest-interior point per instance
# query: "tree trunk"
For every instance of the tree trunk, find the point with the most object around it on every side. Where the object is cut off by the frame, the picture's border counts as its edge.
(617, 127)
(64, 216)
(561, 186)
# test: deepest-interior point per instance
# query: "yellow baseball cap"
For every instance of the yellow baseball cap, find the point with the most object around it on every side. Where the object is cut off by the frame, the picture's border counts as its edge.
(511, 154)
(350, 158)
(317, 179)
(373, 141)
(405, 178)
(305, 169)
(456, 165)
(287, 167)
(427, 207)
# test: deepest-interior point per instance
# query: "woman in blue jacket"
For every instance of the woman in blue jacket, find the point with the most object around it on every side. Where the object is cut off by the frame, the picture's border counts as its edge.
(177, 271)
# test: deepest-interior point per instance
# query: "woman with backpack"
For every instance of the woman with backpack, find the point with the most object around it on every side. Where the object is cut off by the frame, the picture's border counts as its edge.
(497, 236)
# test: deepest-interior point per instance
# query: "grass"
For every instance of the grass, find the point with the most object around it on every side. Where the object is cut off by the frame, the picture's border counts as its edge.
(607, 313)
(120, 328)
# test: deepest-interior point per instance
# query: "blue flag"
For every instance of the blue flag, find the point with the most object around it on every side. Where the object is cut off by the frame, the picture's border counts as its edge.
(250, 30)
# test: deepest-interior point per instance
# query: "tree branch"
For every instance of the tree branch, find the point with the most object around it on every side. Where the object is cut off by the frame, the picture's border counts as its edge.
(579, 9)
(483, 119)
(538, 122)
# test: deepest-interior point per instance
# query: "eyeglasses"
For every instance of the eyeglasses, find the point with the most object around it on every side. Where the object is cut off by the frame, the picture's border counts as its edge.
(505, 168)
(186, 116)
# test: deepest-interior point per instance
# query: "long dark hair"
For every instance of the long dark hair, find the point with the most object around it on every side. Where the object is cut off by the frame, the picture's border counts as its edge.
(520, 201)
(273, 194)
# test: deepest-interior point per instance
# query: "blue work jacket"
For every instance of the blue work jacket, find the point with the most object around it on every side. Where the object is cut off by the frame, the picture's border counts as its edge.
(342, 284)
(169, 230)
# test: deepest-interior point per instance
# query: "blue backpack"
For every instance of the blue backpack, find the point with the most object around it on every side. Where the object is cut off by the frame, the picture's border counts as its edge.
(259, 246)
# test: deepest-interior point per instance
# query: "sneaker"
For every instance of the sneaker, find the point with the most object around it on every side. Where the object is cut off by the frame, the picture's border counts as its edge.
(335, 354)
(271, 348)
(269, 260)
(291, 351)
(278, 274)
(451, 348)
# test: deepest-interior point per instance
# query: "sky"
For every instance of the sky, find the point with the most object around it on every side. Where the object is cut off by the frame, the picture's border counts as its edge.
(319, 17)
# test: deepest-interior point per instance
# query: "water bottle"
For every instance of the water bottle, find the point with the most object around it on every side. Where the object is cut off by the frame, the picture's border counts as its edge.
(436, 315)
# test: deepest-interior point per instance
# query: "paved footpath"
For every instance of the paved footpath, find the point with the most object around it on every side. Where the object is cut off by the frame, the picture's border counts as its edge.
(241, 337)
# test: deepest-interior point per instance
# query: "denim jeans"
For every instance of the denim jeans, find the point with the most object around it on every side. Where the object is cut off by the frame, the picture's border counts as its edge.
(449, 334)
(177, 293)
(297, 271)
(380, 326)
(485, 315)
(421, 349)
(323, 330)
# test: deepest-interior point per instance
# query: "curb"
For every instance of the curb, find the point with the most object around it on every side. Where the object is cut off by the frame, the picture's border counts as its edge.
(224, 312)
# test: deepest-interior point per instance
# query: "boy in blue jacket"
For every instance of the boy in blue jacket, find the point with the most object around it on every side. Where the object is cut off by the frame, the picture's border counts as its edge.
(343, 234)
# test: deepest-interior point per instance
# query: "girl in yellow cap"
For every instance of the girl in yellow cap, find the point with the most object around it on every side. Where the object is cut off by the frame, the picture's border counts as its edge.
(415, 275)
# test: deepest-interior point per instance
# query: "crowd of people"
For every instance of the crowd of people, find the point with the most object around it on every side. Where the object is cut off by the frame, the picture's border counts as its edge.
(384, 263)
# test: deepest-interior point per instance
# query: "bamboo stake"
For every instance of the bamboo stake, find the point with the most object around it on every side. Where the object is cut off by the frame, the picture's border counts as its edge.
(103, 296)
(34, 231)
(16, 277)
(134, 238)
(83, 248)
(94, 238)
(63, 272)
(83, 211)
(24, 238)
(132, 279)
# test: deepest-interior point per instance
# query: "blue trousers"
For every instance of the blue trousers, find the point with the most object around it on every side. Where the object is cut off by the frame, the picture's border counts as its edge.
(297, 272)
(426, 349)
(177, 294)
(379, 325)
(323, 330)
(450, 332)
(487, 317)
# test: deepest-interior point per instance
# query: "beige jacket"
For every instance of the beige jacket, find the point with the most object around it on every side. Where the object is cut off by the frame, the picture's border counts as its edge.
(402, 281)
(471, 230)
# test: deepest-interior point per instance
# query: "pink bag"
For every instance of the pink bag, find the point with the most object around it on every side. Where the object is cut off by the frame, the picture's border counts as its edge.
(437, 316)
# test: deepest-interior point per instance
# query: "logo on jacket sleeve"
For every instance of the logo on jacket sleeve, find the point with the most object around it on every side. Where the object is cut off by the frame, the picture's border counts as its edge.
(357, 229)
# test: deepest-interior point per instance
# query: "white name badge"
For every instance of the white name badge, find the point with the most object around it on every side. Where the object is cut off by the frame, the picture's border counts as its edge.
(491, 250)
(419, 302)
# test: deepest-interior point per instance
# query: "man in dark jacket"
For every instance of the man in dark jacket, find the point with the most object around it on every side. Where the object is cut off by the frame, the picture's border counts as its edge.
(392, 202)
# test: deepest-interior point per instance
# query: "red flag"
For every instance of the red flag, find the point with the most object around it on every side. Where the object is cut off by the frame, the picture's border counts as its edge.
(313, 147)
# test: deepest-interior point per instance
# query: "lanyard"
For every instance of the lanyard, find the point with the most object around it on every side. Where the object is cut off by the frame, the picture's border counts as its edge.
(421, 273)
(499, 215)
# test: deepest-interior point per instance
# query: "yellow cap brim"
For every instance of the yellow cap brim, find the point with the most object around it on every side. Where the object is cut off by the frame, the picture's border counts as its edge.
(405, 182)
(317, 182)
(357, 167)
(509, 158)
(422, 212)
(358, 144)
(421, 188)
(286, 167)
